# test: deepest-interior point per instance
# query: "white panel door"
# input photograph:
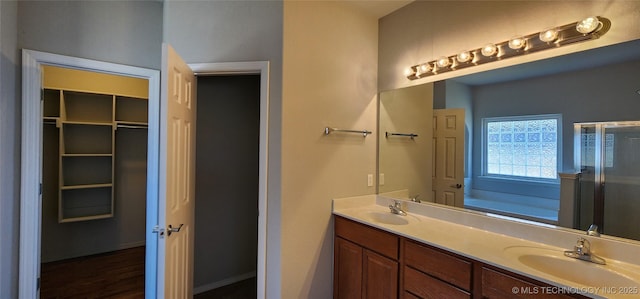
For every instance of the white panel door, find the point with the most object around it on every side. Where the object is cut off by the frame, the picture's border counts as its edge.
(177, 181)
(448, 156)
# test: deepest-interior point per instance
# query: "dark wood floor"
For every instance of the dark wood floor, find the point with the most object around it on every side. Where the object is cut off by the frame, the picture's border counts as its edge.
(118, 274)
(246, 289)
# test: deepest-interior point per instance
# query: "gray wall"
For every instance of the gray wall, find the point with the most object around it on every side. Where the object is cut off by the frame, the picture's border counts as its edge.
(216, 31)
(9, 148)
(227, 151)
(600, 94)
(126, 32)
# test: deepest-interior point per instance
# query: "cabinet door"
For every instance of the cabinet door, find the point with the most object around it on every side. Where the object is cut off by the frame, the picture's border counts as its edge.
(347, 280)
(380, 276)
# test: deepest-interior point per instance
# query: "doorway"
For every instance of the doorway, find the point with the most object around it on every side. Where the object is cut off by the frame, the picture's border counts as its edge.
(227, 155)
(32, 160)
(94, 150)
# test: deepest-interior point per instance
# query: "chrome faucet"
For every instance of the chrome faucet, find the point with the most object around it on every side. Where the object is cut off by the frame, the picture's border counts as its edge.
(396, 208)
(582, 251)
(593, 231)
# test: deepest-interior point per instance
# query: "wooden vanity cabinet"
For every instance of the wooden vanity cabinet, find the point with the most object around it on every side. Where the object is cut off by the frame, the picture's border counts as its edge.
(371, 263)
(365, 261)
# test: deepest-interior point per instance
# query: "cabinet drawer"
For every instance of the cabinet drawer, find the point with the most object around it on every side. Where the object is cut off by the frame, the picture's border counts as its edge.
(425, 286)
(438, 264)
(368, 237)
(501, 285)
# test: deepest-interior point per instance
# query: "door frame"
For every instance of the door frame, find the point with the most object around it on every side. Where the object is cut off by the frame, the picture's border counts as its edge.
(31, 160)
(252, 68)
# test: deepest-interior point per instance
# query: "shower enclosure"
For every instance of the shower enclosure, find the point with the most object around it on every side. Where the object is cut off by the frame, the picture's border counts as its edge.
(608, 157)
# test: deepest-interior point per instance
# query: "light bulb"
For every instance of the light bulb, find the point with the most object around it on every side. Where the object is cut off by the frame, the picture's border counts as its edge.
(408, 72)
(489, 50)
(425, 67)
(588, 25)
(443, 62)
(517, 43)
(549, 35)
(464, 56)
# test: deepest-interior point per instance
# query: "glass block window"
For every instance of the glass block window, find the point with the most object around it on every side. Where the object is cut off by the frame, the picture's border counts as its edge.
(525, 146)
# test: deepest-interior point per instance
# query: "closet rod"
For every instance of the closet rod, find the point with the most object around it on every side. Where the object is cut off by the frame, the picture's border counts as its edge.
(329, 130)
(410, 135)
(132, 126)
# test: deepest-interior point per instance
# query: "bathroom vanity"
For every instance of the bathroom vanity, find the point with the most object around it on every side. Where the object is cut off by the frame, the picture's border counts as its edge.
(436, 252)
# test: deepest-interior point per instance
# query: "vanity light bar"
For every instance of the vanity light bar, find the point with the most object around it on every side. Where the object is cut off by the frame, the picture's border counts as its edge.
(587, 29)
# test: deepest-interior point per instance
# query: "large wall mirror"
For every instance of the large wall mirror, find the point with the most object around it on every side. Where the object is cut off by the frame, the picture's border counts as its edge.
(555, 141)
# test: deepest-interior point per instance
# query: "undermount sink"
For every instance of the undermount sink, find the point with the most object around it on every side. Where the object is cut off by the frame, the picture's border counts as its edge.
(387, 218)
(554, 263)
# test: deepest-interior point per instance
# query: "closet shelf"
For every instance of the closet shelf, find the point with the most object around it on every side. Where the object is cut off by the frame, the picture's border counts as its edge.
(88, 186)
(131, 124)
(85, 218)
(86, 142)
(89, 123)
(87, 155)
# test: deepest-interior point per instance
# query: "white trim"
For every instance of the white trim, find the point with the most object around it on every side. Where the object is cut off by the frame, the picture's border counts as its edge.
(224, 282)
(262, 68)
(31, 161)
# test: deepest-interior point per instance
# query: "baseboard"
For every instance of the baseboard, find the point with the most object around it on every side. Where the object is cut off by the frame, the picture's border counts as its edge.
(224, 282)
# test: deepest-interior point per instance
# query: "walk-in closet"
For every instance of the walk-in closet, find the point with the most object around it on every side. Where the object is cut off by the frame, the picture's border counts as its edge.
(94, 147)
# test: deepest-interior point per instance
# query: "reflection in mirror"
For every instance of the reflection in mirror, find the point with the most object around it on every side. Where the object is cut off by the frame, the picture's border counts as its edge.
(405, 166)
(525, 167)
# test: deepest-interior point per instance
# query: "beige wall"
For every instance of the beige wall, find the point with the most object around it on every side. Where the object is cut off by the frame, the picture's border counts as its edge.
(424, 30)
(329, 79)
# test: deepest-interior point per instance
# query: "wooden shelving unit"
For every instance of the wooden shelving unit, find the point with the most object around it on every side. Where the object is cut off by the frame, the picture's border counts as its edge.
(87, 124)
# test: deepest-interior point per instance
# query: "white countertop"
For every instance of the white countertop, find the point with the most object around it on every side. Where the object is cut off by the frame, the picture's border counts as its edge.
(487, 239)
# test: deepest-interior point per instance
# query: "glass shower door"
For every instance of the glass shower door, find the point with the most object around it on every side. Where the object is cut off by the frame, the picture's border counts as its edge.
(621, 180)
(608, 156)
